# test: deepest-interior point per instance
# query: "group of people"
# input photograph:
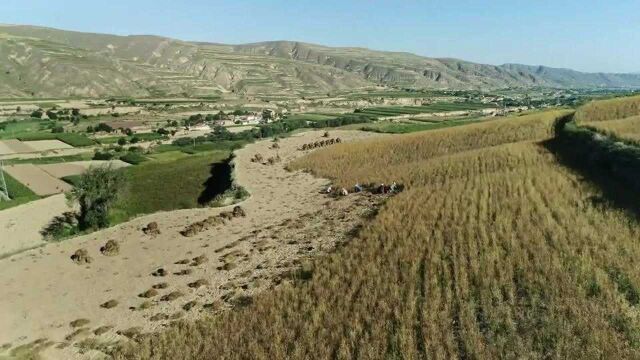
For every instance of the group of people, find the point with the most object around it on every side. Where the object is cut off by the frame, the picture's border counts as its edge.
(382, 189)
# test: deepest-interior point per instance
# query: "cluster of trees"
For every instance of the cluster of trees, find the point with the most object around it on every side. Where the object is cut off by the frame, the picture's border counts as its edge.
(97, 190)
(102, 127)
(220, 133)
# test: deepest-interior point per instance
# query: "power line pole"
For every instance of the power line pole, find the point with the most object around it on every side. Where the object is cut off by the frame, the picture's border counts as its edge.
(4, 191)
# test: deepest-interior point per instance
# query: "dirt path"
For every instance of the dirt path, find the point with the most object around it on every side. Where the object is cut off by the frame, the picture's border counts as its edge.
(287, 220)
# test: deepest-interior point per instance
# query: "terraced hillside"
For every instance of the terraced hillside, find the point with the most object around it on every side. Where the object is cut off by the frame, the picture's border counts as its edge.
(44, 62)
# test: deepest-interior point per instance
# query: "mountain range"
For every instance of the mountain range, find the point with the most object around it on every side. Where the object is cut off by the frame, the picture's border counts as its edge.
(45, 62)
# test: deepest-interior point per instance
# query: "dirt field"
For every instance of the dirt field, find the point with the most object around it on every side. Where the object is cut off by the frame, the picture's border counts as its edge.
(10, 147)
(46, 145)
(36, 179)
(14, 147)
(287, 219)
(61, 170)
(20, 226)
(33, 155)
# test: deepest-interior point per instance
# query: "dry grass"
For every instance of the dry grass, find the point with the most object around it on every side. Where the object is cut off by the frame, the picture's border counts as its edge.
(627, 128)
(492, 251)
(386, 160)
(611, 109)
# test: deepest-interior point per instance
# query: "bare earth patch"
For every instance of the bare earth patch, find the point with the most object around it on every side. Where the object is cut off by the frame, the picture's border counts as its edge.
(287, 219)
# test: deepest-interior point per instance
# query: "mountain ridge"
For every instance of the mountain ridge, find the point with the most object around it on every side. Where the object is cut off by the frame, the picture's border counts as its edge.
(46, 62)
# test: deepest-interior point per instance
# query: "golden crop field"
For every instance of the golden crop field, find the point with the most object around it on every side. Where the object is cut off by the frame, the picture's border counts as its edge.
(493, 250)
(612, 109)
(627, 128)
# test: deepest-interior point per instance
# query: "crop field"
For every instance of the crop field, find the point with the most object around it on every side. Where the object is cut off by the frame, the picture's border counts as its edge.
(612, 109)
(494, 250)
(151, 136)
(173, 181)
(410, 126)
(627, 128)
(19, 193)
(432, 108)
(73, 139)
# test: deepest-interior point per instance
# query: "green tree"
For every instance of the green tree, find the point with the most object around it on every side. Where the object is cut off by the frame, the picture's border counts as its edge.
(96, 191)
(37, 114)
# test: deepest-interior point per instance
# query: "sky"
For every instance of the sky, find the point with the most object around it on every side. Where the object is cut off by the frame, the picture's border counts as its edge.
(585, 35)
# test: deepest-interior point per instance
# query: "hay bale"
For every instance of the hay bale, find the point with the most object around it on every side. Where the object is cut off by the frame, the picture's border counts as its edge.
(227, 215)
(151, 229)
(81, 256)
(162, 285)
(79, 323)
(257, 158)
(172, 296)
(160, 272)
(212, 221)
(199, 260)
(198, 283)
(148, 294)
(109, 304)
(190, 305)
(192, 229)
(111, 248)
(239, 211)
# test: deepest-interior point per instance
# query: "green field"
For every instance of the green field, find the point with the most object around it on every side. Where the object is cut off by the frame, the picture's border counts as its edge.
(140, 136)
(73, 139)
(175, 180)
(51, 159)
(14, 129)
(425, 109)
(18, 193)
(408, 127)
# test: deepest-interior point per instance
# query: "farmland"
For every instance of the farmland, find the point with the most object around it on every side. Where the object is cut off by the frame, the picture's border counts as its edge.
(425, 109)
(493, 250)
(154, 186)
(626, 128)
(19, 193)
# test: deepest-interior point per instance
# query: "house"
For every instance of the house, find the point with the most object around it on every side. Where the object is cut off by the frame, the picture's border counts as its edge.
(200, 127)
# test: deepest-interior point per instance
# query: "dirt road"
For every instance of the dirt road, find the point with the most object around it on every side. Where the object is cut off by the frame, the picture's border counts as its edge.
(287, 219)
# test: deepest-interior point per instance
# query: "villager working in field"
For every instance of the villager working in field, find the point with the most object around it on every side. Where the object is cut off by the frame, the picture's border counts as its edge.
(357, 188)
(329, 189)
(393, 187)
(344, 192)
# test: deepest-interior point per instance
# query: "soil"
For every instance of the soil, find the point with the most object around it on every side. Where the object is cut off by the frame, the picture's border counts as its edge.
(287, 219)
(36, 179)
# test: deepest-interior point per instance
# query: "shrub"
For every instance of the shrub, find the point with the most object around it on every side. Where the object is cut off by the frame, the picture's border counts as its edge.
(96, 191)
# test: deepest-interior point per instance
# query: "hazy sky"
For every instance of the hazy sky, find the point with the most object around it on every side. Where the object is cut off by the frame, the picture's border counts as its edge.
(587, 35)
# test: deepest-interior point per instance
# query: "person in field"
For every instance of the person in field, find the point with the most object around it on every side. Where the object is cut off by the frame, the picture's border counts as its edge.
(344, 192)
(393, 187)
(357, 188)
(329, 190)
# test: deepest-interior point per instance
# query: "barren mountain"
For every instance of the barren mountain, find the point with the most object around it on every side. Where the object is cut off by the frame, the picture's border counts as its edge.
(44, 62)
